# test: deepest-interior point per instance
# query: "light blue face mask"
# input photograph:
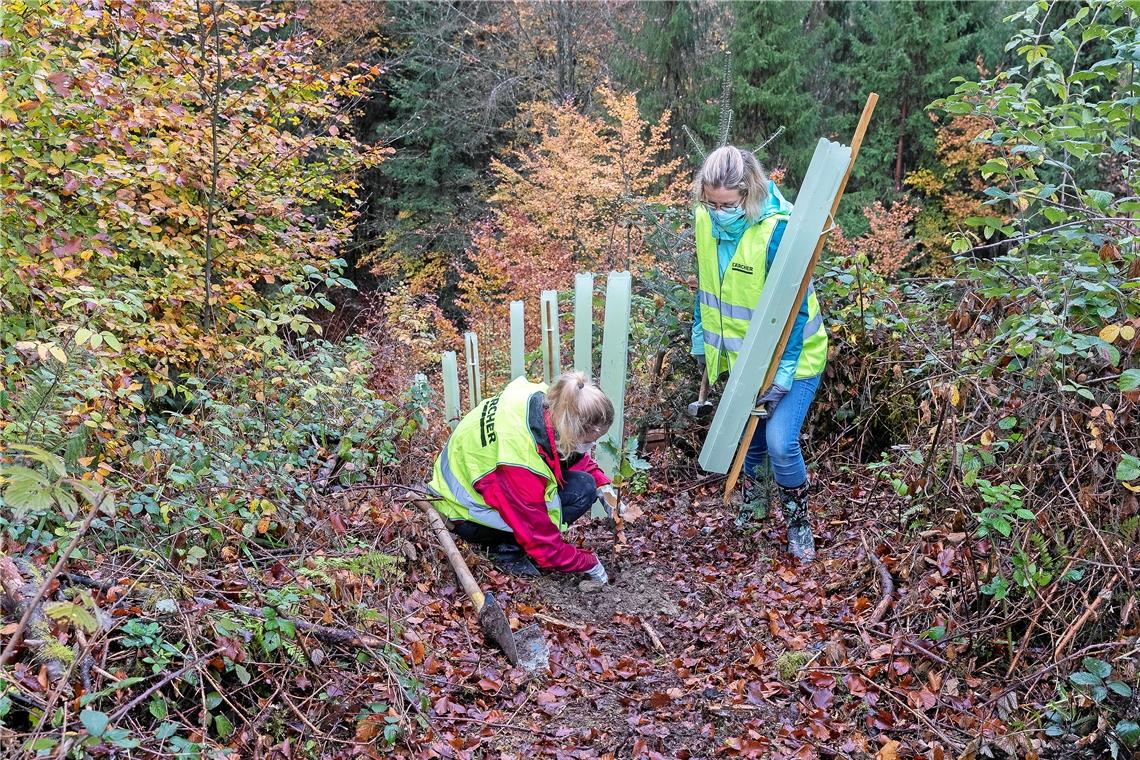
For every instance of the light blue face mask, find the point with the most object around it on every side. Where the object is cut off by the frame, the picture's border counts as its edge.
(730, 220)
(727, 216)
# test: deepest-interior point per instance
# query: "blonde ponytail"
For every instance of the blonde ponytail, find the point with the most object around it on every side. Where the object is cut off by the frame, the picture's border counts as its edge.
(731, 168)
(579, 411)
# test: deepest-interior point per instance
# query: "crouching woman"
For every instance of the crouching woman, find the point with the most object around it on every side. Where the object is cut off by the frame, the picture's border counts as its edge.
(517, 471)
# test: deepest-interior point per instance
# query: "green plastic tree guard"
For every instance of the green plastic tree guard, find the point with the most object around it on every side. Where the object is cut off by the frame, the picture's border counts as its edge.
(615, 359)
(450, 388)
(474, 373)
(551, 352)
(777, 300)
(518, 340)
(584, 323)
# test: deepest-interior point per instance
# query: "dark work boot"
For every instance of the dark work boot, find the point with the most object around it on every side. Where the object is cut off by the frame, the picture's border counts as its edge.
(511, 559)
(755, 492)
(801, 542)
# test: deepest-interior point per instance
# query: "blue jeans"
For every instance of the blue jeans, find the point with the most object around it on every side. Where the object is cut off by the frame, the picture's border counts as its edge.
(779, 436)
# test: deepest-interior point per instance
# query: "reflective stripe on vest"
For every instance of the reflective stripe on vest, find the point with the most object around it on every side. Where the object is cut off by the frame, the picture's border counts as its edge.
(496, 432)
(727, 303)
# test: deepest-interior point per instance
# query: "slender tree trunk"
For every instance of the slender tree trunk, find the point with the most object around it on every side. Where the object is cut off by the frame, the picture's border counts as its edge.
(899, 148)
(212, 198)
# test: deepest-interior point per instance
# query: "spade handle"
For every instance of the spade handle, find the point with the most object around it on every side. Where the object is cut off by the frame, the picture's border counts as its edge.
(466, 579)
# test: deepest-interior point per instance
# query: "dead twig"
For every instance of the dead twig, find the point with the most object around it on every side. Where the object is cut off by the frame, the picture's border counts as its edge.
(887, 587)
(653, 636)
(34, 603)
(559, 622)
(1104, 594)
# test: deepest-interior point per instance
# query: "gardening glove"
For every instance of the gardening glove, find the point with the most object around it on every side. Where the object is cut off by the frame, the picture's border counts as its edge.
(598, 573)
(772, 396)
(609, 499)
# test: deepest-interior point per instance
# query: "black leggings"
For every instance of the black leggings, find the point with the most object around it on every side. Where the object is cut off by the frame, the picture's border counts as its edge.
(577, 496)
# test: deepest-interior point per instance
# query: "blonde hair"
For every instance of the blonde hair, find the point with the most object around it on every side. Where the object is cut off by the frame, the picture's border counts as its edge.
(735, 169)
(579, 411)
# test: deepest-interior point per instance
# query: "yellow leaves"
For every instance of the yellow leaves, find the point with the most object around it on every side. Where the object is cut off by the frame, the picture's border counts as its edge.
(987, 437)
(42, 349)
(1109, 333)
(955, 397)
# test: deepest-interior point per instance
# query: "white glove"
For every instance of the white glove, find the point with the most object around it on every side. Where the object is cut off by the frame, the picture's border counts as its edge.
(609, 499)
(598, 573)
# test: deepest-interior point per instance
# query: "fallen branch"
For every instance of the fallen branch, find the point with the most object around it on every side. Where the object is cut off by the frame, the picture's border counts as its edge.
(887, 587)
(559, 622)
(1104, 594)
(327, 634)
(32, 609)
(653, 636)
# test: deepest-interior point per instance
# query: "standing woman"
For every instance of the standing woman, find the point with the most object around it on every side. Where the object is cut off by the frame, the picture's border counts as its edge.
(740, 218)
(517, 471)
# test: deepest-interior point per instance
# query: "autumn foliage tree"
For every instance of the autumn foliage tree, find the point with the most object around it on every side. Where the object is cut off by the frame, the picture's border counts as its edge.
(569, 202)
(177, 174)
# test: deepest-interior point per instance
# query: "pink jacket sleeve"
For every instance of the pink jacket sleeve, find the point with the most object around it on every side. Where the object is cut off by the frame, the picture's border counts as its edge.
(519, 497)
(587, 464)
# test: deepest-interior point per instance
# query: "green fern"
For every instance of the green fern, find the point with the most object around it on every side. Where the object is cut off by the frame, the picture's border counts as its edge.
(1130, 528)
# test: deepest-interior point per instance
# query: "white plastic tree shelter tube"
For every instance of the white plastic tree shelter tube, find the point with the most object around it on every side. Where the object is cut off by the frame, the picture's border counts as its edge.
(450, 388)
(551, 351)
(474, 371)
(615, 360)
(584, 323)
(780, 296)
(750, 428)
(518, 340)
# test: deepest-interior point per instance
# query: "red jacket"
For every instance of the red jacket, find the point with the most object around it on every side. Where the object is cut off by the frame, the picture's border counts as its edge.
(519, 495)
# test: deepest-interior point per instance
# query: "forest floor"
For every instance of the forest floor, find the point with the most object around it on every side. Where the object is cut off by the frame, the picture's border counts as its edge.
(712, 641)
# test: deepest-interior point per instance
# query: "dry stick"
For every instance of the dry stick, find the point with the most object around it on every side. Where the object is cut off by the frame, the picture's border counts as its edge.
(1074, 629)
(122, 711)
(753, 421)
(653, 636)
(559, 622)
(14, 641)
(888, 585)
(1033, 621)
(325, 633)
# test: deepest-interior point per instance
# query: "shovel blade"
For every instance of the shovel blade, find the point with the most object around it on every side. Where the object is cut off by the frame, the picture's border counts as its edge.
(497, 630)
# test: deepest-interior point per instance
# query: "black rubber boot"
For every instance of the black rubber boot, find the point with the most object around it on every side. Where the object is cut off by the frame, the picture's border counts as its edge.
(755, 493)
(801, 542)
(511, 559)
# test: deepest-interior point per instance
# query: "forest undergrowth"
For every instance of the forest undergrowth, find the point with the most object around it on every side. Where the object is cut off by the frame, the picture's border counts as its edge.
(206, 548)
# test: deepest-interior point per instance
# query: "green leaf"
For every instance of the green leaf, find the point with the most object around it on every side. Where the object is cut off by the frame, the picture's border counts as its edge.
(165, 731)
(158, 707)
(1082, 678)
(27, 490)
(1098, 668)
(1120, 688)
(223, 726)
(73, 613)
(1127, 469)
(53, 461)
(1129, 732)
(112, 341)
(1129, 379)
(94, 721)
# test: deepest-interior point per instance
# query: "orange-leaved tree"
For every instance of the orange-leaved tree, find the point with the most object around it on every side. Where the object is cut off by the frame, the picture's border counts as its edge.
(572, 200)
